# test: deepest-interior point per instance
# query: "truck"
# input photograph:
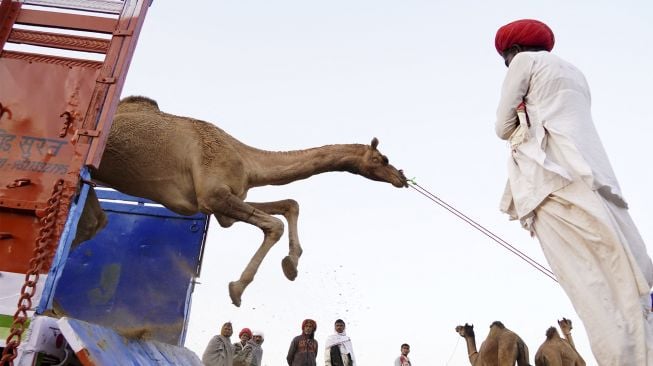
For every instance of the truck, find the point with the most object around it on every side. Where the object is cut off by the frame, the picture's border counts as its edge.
(124, 296)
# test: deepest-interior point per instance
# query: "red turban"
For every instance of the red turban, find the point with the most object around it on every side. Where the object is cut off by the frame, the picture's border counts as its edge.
(245, 331)
(524, 32)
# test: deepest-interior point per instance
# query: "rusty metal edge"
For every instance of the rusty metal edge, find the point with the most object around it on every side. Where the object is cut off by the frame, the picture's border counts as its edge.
(116, 64)
(59, 41)
(98, 6)
(56, 60)
(8, 14)
(87, 23)
(84, 357)
(21, 204)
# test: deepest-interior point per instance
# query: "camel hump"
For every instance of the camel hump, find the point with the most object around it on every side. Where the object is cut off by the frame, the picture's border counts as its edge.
(497, 324)
(137, 103)
(551, 332)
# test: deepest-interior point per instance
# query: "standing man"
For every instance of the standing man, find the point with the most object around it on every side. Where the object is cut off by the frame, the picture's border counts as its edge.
(244, 335)
(251, 354)
(403, 359)
(303, 348)
(339, 350)
(220, 351)
(259, 338)
(563, 190)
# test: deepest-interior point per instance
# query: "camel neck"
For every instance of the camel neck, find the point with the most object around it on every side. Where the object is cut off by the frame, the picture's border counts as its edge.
(471, 347)
(278, 168)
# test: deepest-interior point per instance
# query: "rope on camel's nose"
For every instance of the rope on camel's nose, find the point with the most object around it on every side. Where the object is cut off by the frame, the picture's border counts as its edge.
(424, 192)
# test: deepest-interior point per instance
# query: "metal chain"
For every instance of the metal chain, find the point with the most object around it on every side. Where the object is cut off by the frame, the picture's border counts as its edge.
(42, 252)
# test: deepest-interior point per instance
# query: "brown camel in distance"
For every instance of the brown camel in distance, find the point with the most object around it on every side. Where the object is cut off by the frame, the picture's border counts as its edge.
(192, 166)
(502, 347)
(556, 351)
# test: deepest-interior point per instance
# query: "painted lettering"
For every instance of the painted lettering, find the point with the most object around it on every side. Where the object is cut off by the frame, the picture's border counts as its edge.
(5, 140)
(27, 142)
(40, 166)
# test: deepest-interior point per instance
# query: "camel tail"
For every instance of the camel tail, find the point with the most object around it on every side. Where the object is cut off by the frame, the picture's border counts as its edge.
(522, 354)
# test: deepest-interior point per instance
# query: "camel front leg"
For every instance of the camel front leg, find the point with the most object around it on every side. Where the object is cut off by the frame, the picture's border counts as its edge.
(228, 205)
(290, 210)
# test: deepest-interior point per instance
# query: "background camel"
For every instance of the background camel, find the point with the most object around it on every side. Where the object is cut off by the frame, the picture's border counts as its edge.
(192, 166)
(502, 347)
(556, 351)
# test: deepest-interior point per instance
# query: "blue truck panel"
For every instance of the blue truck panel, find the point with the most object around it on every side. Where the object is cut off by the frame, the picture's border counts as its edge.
(100, 346)
(136, 275)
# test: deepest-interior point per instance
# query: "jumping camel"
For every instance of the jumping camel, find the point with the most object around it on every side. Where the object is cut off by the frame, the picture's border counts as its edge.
(502, 347)
(192, 166)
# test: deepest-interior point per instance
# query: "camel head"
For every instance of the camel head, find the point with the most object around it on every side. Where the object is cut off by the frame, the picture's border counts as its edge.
(466, 330)
(375, 166)
(565, 325)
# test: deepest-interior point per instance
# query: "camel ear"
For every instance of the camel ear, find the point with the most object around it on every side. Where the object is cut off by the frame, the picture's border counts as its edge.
(375, 143)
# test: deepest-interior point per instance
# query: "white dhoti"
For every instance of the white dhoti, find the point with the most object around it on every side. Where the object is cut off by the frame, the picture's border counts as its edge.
(601, 262)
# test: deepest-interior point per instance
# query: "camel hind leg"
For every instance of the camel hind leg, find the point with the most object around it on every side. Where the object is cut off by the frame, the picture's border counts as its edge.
(507, 354)
(511, 350)
(225, 204)
(290, 210)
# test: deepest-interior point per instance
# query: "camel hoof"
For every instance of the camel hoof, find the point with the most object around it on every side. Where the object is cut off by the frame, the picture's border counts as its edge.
(235, 290)
(289, 268)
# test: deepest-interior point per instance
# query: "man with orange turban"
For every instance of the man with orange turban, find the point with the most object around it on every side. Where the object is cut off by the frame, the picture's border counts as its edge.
(563, 190)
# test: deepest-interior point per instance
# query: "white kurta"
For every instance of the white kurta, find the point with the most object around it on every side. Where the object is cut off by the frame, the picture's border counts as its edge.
(562, 188)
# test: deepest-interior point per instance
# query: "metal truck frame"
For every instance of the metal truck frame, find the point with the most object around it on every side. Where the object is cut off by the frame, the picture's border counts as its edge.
(63, 64)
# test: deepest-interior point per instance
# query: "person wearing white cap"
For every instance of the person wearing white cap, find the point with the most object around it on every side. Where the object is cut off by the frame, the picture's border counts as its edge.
(259, 338)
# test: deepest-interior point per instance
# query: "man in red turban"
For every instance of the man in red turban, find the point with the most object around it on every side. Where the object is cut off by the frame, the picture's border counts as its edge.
(563, 190)
(529, 33)
(244, 336)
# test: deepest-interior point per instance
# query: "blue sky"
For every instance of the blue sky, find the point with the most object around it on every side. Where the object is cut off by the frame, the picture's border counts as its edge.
(423, 77)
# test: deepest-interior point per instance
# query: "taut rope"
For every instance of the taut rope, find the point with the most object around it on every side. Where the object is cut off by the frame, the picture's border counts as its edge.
(423, 191)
